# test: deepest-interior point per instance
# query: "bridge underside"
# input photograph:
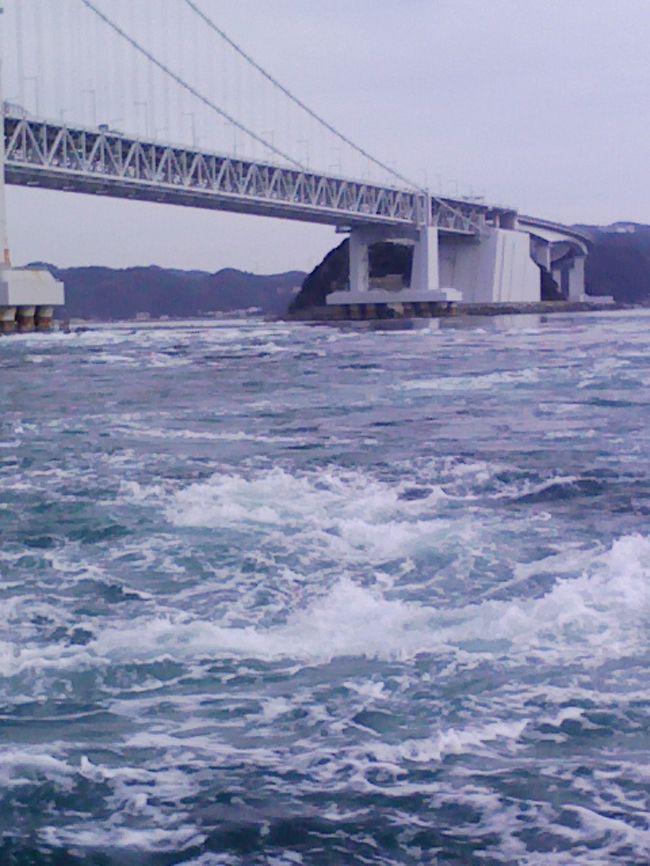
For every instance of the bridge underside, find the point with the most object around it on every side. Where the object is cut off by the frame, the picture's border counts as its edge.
(134, 190)
(102, 162)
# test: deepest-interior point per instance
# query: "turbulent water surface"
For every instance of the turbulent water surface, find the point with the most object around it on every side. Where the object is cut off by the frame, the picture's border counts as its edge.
(279, 594)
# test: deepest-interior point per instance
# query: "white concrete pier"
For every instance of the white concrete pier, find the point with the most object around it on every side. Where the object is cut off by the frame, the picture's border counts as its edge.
(424, 284)
(500, 264)
(27, 299)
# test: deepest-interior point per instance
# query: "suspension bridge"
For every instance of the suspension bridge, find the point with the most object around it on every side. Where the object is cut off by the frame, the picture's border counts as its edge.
(154, 101)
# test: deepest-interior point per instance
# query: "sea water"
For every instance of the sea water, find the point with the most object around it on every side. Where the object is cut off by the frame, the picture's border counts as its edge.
(290, 594)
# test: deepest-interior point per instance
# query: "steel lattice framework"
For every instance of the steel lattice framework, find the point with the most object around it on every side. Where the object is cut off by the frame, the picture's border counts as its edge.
(106, 162)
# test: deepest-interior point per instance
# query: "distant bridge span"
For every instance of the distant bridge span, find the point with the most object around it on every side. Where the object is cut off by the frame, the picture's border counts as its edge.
(554, 232)
(561, 250)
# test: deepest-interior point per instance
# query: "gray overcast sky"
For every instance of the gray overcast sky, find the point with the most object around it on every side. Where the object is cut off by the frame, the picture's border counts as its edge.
(539, 104)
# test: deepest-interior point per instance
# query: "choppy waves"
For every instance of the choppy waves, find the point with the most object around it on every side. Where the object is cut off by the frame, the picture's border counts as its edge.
(293, 595)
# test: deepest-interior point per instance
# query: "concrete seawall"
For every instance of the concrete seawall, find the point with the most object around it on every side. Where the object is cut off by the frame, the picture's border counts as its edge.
(397, 310)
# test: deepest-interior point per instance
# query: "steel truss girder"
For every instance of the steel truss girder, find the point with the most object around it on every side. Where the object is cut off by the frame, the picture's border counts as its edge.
(53, 155)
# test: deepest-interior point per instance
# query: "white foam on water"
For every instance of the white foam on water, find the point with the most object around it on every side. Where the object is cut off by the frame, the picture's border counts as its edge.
(477, 382)
(345, 513)
(112, 358)
(111, 836)
(271, 348)
(212, 860)
(569, 433)
(273, 708)
(337, 624)
(532, 488)
(594, 616)
(170, 433)
(452, 741)
(20, 766)
(601, 614)
(36, 338)
(610, 831)
(16, 658)
(134, 491)
(595, 609)
(143, 793)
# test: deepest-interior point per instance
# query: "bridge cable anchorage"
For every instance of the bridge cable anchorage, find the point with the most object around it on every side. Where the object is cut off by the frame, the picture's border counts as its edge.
(193, 6)
(188, 87)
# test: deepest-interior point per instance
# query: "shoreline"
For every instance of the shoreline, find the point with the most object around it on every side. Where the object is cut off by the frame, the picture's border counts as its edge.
(451, 309)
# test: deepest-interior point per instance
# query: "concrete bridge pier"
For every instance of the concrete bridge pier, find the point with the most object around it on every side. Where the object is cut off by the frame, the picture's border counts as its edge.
(498, 263)
(7, 320)
(424, 286)
(567, 267)
(25, 318)
(425, 271)
(577, 278)
(44, 317)
(27, 299)
(359, 247)
(540, 252)
(570, 276)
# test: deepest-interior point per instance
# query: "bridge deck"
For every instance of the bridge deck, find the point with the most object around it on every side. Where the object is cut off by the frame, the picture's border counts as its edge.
(104, 162)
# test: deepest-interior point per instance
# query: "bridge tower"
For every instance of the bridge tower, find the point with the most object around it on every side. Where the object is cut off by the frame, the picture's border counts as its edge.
(27, 296)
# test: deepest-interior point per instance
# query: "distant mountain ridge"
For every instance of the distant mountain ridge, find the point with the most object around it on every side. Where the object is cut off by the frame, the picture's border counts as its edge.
(618, 263)
(109, 293)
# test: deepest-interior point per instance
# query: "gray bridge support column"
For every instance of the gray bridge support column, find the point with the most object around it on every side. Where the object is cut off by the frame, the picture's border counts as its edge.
(359, 260)
(7, 319)
(425, 268)
(569, 274)
(425, 271)
(577, 279)
(424, 287)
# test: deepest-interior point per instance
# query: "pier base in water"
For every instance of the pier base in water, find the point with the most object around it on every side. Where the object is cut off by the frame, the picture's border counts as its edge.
(44, 317)
(437, 310)
(7, 320)
(25, 318)
(27, 300)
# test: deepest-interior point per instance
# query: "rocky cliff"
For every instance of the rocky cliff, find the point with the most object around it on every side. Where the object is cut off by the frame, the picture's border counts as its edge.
(333, 272)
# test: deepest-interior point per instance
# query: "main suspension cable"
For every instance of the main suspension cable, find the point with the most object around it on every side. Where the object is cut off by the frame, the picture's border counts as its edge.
(188, 87)
(193, 6)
